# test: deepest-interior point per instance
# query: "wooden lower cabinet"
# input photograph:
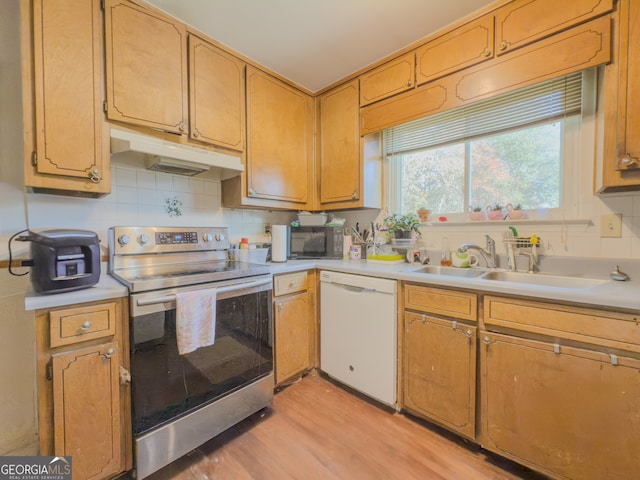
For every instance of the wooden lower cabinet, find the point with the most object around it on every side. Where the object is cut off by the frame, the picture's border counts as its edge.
(295, 320)
(439, 356)
(568, 412)
(84, 408)
(440, 371)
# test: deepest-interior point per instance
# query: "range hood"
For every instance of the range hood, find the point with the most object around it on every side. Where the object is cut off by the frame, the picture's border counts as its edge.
(164, 156)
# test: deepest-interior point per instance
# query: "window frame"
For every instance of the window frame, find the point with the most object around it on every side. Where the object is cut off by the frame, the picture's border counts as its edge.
(578, 145)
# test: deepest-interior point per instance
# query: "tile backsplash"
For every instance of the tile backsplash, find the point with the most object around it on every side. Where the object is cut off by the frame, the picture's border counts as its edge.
(140, 197)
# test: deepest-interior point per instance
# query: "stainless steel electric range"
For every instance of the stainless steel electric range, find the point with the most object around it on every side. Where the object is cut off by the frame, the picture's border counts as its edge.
(180, 401)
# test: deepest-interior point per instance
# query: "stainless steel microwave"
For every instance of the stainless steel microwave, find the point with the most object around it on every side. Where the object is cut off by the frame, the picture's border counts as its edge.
(315, 242)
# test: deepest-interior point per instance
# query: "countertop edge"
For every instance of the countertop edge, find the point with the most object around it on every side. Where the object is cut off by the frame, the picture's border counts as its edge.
(616, 295)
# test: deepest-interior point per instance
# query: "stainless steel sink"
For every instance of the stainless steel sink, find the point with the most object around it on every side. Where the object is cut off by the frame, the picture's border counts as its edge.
(546, 280)
(449, 271)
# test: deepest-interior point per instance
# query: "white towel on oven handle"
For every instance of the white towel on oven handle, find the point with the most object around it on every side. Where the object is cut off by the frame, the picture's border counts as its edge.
(195, 319)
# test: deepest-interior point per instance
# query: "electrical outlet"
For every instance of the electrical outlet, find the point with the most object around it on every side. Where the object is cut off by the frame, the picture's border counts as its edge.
(267, 228)
(611, 225)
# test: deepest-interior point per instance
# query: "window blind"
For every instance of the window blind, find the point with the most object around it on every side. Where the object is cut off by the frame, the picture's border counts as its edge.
(544, 101)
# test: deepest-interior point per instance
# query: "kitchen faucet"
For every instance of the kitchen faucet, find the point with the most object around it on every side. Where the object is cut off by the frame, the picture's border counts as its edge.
(489, 254)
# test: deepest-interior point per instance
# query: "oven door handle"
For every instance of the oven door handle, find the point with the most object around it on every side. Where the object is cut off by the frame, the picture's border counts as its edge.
(231, 288)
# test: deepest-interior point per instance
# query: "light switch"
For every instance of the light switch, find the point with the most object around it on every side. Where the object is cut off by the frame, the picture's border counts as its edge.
(611, 225)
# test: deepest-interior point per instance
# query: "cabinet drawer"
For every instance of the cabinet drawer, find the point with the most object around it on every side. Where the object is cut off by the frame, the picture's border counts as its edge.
(611, 329)
(461, 305)
(389, 79)
(82, 323)
(290, 283)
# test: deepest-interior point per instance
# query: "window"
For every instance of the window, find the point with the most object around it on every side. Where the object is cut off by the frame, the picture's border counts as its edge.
(519, 148)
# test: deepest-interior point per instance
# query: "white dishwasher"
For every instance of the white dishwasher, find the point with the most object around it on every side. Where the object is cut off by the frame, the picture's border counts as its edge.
(358, 333)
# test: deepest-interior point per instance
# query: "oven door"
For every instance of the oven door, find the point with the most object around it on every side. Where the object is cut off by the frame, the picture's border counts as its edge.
(166, 385)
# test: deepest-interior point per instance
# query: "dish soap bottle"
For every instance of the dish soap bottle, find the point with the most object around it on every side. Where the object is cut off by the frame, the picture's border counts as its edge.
(445, 260)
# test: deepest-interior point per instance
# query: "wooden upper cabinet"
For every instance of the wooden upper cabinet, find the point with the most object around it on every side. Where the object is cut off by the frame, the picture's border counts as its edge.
(216, 96)
(389, 79)
(146, 63)
(340, 164)
(620, 168)
(279, 140)
(67, 69)
(461, 48)
(522, 22)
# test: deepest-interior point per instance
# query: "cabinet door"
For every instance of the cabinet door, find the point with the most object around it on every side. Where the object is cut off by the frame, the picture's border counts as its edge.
(619, 169)
(86, 403)
(524, 21)
(461, 48)
(569, 412)
(389, 79)
(68, 91)
(216, 96)
(340, 166)
(146, 63)
(279, 140)
(440, 371)
(293, 332)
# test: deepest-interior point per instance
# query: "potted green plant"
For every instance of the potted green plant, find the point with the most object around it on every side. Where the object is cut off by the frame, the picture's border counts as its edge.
(494, 212)
(475, 213)
(403, 225)
(515, 212)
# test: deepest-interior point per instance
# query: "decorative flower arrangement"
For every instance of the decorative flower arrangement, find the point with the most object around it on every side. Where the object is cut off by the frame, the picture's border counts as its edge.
(408, 224)
(172, 206)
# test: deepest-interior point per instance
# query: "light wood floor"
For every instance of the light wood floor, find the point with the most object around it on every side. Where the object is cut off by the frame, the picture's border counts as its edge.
(317, 430)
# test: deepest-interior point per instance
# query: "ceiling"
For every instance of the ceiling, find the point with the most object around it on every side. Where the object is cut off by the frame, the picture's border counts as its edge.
(315, 43)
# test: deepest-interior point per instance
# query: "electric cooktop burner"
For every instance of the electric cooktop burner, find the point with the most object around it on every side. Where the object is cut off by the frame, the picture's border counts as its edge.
(151, 258)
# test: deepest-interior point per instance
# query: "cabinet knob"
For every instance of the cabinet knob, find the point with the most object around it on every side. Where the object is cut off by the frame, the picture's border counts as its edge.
(94, 175)
(487, 52)
(85, 325)
(280, 306)
(629, 161)
(292, 284)
(109, 353)
(485, 340)
(251, 192)
(196, 135)
(354, 196)
(182, 127)
(503, 45)
(408, 83)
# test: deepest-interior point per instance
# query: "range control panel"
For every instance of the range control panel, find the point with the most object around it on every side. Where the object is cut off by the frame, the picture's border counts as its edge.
(143, 240)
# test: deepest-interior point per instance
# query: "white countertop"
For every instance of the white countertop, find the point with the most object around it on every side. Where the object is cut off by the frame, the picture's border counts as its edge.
(612, 294)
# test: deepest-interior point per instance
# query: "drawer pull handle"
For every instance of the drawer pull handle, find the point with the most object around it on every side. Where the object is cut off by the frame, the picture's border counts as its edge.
(614, 359)
(454, 325)
(556, 348)
(292, 284)
(109, 353)
(85, 326)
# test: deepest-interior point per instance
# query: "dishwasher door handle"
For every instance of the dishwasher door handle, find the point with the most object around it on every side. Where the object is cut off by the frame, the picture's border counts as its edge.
(353, 288)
